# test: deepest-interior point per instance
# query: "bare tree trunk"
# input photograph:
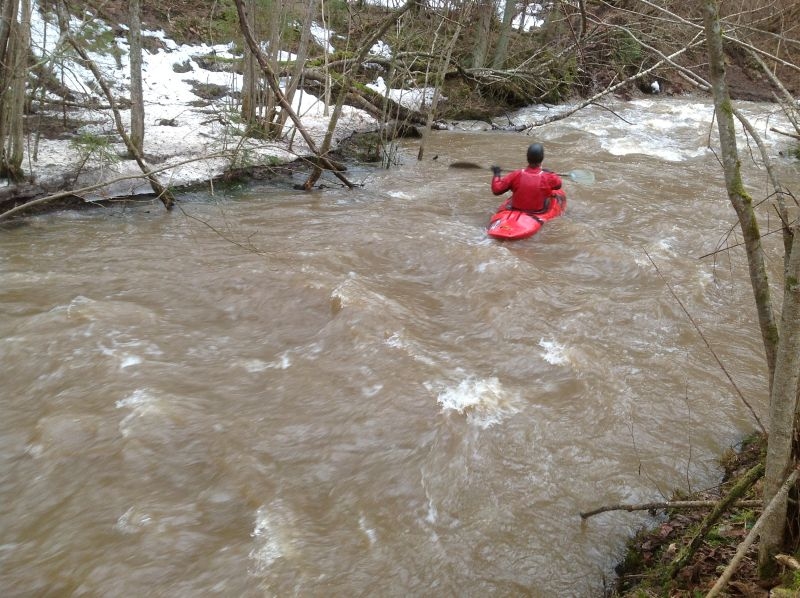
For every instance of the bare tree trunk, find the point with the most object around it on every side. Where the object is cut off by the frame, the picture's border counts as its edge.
(782, 355)
(137, 97)
(784, 416)
(8, 18)
(8, 14)
(501, 50)
(362, 52)
(740, 200)
(250, 75)
(445, 61)
(19, 47)
(272, 122)
(302, 52)
(483, 26)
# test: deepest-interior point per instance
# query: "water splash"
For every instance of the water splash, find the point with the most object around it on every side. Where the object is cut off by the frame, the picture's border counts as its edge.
(132, 520)
(267, 548)
(142, 403)
(368, 531)
(484, 401)
(554, 353)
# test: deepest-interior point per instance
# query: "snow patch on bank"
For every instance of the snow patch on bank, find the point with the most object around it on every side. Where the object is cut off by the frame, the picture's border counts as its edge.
(190, 139)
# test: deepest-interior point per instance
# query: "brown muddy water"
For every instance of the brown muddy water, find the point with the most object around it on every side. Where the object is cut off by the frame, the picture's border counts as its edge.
(357, 393)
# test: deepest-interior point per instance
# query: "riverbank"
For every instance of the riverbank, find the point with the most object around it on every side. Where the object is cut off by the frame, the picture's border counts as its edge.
(192, 131)
(645, 571)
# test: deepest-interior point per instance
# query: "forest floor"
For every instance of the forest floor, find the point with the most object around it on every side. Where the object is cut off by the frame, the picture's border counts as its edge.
(643, 574)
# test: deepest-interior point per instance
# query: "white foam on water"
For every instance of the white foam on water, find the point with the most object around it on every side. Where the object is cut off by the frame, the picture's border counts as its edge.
(483, 400)
(371, 391)
(253, 366)
(142, 403)
(650, 145)
(34, 450)
(397, 341)
(554, 352)
(126, 353)
(131, 521)
(129, 360)
(369, 532)
(267, 550)
(433, 513)
(271, 537)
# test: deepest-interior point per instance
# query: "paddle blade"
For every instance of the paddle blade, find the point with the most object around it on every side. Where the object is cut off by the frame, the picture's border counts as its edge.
(584, 177)
(470, 165)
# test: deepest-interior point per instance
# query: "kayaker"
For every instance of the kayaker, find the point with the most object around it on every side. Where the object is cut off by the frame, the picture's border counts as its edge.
(532, 188)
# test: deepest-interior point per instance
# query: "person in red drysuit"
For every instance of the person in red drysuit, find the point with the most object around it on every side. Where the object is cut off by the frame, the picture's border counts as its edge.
(532, 189)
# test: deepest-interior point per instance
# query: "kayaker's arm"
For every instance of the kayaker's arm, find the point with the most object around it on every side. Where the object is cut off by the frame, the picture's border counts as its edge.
(500, 184)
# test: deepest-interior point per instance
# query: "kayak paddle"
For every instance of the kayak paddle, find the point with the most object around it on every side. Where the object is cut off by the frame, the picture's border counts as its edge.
(584, 177)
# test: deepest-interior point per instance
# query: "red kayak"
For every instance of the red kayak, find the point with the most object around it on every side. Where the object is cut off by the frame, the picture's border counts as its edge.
(516, 224)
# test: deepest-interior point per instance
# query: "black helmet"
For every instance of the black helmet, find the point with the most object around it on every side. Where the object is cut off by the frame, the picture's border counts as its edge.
(535, 153)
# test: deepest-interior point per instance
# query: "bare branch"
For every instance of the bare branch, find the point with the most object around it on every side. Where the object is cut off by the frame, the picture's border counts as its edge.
(671, 504)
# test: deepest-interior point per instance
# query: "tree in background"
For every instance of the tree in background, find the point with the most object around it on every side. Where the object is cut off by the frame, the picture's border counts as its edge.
(484, 11)
(137, 98)
(250, 73)
(163, 193)
(501, 49)
(15, 17)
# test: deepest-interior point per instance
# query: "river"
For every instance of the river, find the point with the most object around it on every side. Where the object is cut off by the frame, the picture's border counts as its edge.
(357, 393)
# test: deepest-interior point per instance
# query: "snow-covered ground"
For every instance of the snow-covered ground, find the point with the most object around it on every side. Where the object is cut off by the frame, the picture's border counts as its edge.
(188, 140)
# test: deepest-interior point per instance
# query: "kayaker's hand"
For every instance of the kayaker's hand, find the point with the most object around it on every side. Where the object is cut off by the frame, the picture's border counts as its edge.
(496, 170)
